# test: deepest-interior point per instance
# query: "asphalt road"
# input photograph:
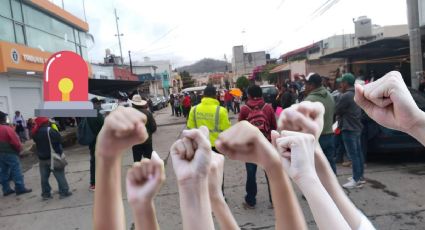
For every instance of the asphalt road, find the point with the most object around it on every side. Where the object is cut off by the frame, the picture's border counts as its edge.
(393, 197)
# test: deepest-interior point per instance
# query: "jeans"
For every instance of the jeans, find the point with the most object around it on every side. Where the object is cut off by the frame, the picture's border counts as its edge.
(92, 148)
(237, 108)
(142, 151)
(229, 106)
(251, 184)
(11, 167)
(327, 144)
(352, 144)
(44, 176)
(340, 149)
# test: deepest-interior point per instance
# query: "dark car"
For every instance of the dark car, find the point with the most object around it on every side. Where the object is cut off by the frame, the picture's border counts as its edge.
(269, 93)
(384, 140)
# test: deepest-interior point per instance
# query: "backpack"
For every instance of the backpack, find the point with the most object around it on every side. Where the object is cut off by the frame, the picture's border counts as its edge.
(257, 118)
(85, 135)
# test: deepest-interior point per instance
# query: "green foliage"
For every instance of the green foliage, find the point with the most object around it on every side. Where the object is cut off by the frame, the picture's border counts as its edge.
(187, 80)
(267, 76)
(242, 82)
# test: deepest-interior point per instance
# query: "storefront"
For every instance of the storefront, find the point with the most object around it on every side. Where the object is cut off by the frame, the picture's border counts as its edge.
(21, 78)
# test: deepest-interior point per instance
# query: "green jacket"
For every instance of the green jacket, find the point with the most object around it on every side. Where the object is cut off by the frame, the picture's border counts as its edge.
(323, 96)
(206, 115)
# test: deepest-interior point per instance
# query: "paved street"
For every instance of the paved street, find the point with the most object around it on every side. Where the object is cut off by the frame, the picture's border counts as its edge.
(392, 198)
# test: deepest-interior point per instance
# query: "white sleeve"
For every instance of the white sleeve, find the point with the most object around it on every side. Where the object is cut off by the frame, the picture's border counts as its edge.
(365, 223)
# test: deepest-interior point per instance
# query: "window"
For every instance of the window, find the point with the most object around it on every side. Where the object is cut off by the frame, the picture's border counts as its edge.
(82, 36)
(5, 9)
(6, 32)
(47, 42)
(19, 32)
(16, 9)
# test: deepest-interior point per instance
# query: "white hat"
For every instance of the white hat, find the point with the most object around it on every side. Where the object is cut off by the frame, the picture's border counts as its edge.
(137, 100)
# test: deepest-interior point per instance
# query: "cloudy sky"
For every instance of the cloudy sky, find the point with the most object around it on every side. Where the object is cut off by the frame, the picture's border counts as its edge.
(185, 31)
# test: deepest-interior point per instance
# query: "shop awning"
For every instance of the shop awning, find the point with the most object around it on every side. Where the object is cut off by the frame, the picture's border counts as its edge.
(112, 88)
(385, 47)
(281, 68)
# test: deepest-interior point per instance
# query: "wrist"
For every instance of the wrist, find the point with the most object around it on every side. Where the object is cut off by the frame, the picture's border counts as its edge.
(307, 181)
(193, 183)
(141, 205)
(419, 126)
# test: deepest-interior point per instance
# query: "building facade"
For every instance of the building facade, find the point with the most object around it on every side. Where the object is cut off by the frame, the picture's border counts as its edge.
(244, 63)
(31, 31)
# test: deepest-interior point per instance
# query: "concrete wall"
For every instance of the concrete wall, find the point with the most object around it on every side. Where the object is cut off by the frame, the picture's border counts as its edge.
(103, 72)
(244, 63)
(298, 67)
(390, 31)
(325, 67)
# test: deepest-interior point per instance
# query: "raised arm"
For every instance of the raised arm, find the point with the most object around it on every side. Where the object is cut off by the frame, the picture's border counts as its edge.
(191, 158)
(143, 182)
(123, 128)
(246, 143)
(389, 102)
(218, 205)
(297, 152)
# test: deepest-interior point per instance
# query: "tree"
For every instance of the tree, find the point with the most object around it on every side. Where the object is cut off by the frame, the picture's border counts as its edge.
(187, 80)
(266, 75)
(242, 82)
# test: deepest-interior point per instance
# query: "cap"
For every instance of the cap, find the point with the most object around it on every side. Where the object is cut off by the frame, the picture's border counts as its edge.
(314, 78)
(348, 77)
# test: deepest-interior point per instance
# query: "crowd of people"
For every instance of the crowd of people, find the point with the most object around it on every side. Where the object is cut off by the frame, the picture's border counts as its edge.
(297, 145)
(292, 153)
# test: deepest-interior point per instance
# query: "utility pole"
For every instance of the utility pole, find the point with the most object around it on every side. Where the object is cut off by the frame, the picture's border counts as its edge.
(131, 64)
(415, 42)
(119, 35)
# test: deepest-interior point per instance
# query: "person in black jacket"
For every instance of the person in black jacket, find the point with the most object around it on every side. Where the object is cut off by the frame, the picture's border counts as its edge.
(40, 132)
(145, 149)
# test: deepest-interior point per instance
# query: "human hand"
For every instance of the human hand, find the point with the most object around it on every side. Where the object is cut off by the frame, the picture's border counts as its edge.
(123, 128)
(215, 177)
(297, 154)
(389, 102)
(245, 142)
(144, 180)
(191, 155)
(305, 117)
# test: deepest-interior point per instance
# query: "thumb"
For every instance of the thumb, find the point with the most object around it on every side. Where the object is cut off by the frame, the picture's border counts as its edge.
(361, 100)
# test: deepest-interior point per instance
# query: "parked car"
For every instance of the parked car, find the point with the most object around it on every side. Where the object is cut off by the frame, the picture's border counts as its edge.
(384, 140)
(269, 93)
(156, 102)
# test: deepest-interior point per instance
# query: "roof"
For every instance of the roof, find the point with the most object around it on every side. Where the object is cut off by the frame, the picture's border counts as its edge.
(281, 68)
(297, 51)
(385, 47)
(111, 88)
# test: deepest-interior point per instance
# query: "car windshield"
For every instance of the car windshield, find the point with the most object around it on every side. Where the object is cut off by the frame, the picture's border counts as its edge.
(269, 90)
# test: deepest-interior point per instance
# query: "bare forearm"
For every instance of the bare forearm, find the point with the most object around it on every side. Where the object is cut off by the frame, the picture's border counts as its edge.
(144, 216)
(195, 206)
(108, 206)
(321, 205)
(287, 210)
(418, 132)
(335, 191)
(223, 214)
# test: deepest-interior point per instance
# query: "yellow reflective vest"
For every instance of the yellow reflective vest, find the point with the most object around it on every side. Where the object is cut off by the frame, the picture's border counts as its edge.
(209, 113)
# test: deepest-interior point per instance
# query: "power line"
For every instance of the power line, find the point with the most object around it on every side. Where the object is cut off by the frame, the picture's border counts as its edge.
(159, 39)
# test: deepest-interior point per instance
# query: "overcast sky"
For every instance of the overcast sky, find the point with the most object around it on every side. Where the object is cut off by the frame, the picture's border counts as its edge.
(185, 31)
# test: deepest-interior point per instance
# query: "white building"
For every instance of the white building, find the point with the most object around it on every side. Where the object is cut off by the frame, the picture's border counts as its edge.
(243, 63)
(102, 71)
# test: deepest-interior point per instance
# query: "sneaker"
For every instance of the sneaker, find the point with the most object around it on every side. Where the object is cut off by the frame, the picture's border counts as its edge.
(346, 164)
(65, 195)
(26, 190)
(9, 192)
(352, 184)
(361, 181)
(44, 198)
(92, 187)
(248, 206)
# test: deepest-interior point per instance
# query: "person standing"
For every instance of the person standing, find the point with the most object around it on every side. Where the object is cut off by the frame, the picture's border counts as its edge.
(260, 114)
(20, 126)
(287, 98)
(145, 149)
(237, 104)
(186, 105)
(349, 114)
(171, 101)
(176, 106)
(10, 166)
(95, 124)
(316, 92)
(41, 134)
(228, 98)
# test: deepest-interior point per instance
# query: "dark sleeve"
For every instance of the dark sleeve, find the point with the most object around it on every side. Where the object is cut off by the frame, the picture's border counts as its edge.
(151, 123)
(342, 104)
(56, 140)
(272, 117)
(286, 100)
